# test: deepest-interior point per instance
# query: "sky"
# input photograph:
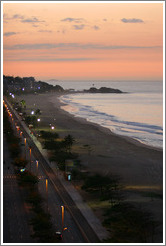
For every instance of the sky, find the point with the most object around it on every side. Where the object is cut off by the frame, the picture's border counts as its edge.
(83, 40)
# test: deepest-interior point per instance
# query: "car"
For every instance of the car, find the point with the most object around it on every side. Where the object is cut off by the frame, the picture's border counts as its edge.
(58, 235)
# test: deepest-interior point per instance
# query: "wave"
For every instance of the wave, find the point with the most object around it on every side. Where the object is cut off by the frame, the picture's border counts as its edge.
(147, 133)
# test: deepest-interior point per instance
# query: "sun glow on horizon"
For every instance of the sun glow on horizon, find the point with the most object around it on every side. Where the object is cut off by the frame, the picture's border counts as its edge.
(83, 40)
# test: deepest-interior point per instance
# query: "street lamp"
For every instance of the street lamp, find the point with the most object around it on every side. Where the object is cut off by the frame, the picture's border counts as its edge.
(18, 128)
(37, 164)
(30, 150)
(25, 140)
(62, 217)
(47, 191)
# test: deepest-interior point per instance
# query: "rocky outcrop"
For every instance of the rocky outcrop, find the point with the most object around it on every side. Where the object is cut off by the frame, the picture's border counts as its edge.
(103, 90)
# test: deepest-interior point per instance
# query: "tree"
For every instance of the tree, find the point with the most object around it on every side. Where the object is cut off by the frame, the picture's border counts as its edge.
(23, 103)
(68, 142)
(107, 188)
(38, 112)
(31, 120)
(28, 179)
(20, 162)
(130, 224)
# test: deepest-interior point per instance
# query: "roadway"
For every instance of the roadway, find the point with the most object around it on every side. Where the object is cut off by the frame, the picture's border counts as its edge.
(15, 214)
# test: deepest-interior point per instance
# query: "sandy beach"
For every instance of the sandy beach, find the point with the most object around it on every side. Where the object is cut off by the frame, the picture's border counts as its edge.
(139, 166)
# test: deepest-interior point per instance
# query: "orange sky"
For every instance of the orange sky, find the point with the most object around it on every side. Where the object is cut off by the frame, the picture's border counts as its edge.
(83, 40)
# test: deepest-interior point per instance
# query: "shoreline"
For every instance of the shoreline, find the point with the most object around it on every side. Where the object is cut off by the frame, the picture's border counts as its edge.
(105, 129)
(139, 165)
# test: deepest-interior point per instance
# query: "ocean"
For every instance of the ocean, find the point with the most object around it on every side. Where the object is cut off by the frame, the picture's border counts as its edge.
(137, 114)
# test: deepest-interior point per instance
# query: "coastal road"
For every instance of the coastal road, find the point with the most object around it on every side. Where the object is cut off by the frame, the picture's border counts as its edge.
(15, 217)
(85, 230)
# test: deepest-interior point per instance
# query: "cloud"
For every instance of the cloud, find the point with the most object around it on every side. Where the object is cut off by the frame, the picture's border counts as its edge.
(31, 20)
(79, 27)
(8, 34)
(63, 31)
(96, 28)
(13, 17)
(34, 25)
(16, 16)
(76, 20)
(124, 20)
(50, 59)
(49, 31)
(70, 46)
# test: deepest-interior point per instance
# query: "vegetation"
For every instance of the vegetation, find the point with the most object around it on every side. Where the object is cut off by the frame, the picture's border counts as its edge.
(26, 85)
(31, 120)
(68, 142)
(43, 229)
(26, 178)
(20, 162)
(38, 112)
(10, 136)
(107, 188)
(129, 224)
(23, 103)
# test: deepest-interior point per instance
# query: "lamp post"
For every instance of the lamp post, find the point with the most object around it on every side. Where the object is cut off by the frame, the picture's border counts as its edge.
(37, 164)
(62, 217)
(25, 146)
(30, 150)
(47, 191)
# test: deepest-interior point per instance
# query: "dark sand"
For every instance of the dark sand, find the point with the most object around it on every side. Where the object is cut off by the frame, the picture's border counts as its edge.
(138, 165)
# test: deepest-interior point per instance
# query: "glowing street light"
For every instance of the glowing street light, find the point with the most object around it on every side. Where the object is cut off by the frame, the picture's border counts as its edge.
(62, 217)
(30, 150)
(18, 128)
(37, 164)
(47, 191)
(32, 112)
(25, 140)
(52, 127)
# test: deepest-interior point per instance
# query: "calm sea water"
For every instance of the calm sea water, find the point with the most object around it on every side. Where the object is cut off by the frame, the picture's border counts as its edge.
(137, 114)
